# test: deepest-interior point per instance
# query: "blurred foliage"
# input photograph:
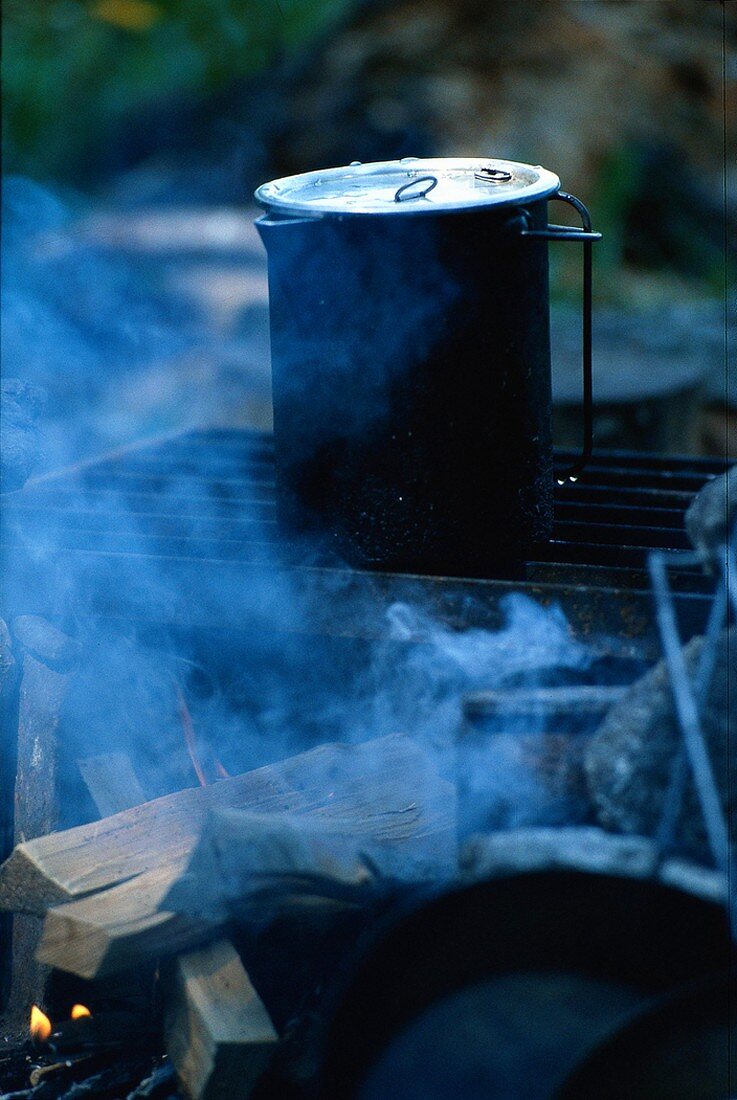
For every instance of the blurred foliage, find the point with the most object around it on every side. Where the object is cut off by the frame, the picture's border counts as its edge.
(660, 238)
(73, 70)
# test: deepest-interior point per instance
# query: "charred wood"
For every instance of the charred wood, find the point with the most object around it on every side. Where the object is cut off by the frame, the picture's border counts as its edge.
(49, 663)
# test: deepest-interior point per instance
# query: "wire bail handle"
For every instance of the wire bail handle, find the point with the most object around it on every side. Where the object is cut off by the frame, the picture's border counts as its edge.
(587, 237)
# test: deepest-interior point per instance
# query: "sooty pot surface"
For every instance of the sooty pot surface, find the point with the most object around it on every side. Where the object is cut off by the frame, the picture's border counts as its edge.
(411, 364)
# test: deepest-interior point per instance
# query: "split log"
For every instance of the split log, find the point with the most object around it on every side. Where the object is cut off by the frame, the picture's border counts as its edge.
(256, 867)
(112, 782)
(42, 692)
(8, 733)
(134, 931)
(46, 642)
(383, 797)
(123, 928)
(128, 914)
(385, 789)
(217, 1031)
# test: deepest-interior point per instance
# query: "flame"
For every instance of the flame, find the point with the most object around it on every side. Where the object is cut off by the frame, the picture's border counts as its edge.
(190, 736)
(40, 1025)
(78, 1011)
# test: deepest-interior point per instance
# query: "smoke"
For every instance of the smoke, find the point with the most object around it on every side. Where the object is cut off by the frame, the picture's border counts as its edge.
(84, 322)
(100, 324)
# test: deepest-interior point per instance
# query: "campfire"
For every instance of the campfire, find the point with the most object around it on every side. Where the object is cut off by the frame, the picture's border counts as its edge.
(321, 824)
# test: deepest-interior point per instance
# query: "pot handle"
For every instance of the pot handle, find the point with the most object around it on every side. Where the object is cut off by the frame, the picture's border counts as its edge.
(587, 237)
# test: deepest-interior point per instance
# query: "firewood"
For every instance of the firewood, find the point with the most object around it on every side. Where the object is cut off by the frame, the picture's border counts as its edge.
(43, 688)
(46, 642)
(114, 786)
(372, 789)
(255, 867)
(133, 923)
(112, 782)
(8, 717)
(42, 693)
(123, 910)
(217, 1031)
(118, 929)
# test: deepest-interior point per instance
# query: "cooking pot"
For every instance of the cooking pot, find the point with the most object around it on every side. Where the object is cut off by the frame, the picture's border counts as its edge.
(500, 988)
(410, 353)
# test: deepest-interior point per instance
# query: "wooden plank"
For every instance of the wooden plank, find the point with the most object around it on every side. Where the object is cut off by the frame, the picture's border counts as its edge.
(112, 782)
(371, 788)
(217, 1031)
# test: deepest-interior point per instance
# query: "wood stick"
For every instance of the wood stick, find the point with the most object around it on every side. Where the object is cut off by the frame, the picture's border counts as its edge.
(8, 733)
(49, 664)
(217, 1031)
(42, 692)
(112, 782)
(371, 788)
(135, 927)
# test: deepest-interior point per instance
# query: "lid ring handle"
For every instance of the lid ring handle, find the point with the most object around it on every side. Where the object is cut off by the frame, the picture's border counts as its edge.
(401, 196)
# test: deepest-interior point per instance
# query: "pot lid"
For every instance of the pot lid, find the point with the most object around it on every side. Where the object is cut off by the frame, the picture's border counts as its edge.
(409, 186)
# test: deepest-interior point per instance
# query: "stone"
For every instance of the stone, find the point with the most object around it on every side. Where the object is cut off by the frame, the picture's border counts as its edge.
(585, 848)
(629, 759)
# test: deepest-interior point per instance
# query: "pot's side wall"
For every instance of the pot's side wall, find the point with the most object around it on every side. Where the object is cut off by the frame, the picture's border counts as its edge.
(411, 380)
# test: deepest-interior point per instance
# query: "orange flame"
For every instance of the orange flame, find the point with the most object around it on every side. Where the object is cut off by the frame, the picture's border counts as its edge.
(40, 1025)
(190, 737)
(78, 1011)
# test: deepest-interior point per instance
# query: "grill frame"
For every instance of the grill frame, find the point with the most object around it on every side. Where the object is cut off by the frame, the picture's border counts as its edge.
(79, 523)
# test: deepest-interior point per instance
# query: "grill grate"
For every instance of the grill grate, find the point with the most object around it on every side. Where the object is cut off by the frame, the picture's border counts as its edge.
(201, 505)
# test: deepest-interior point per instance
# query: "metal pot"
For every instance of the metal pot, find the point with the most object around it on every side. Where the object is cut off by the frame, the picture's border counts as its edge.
(411, 358)
(502, 987)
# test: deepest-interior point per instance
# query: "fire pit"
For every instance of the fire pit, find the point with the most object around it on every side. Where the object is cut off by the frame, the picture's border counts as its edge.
(166, 559)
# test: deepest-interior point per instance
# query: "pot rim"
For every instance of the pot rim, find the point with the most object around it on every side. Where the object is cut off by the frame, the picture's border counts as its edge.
(371, 190)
